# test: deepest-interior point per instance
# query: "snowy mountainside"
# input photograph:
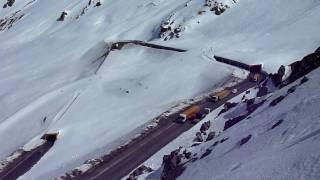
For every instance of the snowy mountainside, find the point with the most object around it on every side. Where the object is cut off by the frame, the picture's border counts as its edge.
(279, 140)
(51, 79)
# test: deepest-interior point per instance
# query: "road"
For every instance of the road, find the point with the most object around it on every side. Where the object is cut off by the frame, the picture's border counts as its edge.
(25, 161)
(122, 163)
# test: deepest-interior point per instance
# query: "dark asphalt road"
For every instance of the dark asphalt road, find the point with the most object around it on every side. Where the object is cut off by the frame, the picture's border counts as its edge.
(25, 162)
(121, 164)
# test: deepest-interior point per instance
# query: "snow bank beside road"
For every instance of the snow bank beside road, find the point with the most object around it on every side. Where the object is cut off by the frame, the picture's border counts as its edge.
(279, 141)
(39, 55)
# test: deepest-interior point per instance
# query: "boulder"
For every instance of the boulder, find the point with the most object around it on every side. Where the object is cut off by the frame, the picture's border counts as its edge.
(171, 166)
(277, 123)
(263, 90)
(211, 135)
(205, 126)
(62, 16)
(10, 2)
(277, 100)
(245, 140)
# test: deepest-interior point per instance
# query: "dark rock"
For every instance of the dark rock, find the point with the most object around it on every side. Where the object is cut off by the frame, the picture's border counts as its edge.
(245, 140)
(223, 140)
(277, 100)
(252, 107)
(303, 80)
(208, 151)
(304, 66)
(250, 102)
(187, 154)
(292, 89)
(62, 16)
(10, 2)
(215, 144)
(195, 144)
(262, 91)
(205, 126)
(227, 106)
(199, 137)
(277, 123)
(276, 79)
(233, 121)
(98, 4)
(5, 5)
(139, 171)
(211, 135)
(171, 166)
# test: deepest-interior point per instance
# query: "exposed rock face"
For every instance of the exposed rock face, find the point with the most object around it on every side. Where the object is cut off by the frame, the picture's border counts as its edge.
(169, 29)
(139, 171)
(277, 100)
(205, 126)
(211, 135)
(277, 124)
(245, 140)
(263, 90)
(8, 3)
(8, 22)
(217, 8)
(277, 78)
(62, 16)
(303, 67)
(298, 68)
(171, 166)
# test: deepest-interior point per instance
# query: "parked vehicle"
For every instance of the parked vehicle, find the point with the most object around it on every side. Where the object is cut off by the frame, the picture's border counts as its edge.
(219, 95)
(189, 114)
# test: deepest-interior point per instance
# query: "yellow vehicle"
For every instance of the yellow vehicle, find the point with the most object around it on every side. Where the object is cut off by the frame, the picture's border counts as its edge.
(220, 95)
(189, 114)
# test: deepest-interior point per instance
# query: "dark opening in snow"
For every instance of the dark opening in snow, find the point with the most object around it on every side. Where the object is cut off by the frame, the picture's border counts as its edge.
(52, 137)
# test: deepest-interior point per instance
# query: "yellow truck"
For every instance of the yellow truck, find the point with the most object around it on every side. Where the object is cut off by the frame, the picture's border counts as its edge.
(189, 114)
(219, 95)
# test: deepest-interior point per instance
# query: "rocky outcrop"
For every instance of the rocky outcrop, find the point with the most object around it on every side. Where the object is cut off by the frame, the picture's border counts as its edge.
(139, 171)
(298, 69)
(245, 140)
(9, 3)
(172, 166)
(8, 22)
(277, 124)
(277, 100)
(62, 16)
(252, 105)
(169, 29)
(263, 90)
(217, 8)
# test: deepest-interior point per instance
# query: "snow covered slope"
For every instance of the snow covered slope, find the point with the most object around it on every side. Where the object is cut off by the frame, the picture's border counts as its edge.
(279, 140)
(47, 67)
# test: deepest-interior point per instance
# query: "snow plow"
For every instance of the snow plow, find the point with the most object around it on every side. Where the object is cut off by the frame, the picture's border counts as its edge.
(189, 114)
(219, 95)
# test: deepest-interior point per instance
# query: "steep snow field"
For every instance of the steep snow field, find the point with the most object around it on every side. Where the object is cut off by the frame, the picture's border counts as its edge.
(284, 140)
(47, 67)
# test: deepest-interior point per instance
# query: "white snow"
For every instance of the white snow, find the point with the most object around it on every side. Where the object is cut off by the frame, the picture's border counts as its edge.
(289, 151)
(47, 66)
